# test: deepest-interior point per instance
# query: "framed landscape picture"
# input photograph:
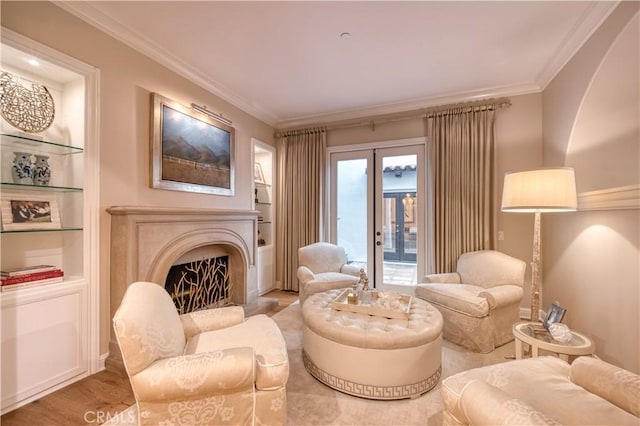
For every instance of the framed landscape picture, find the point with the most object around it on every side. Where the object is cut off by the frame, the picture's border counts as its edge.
(190, 151)
(24, 212)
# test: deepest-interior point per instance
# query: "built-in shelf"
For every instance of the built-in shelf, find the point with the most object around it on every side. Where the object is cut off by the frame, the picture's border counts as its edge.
(264, 157)
(33, 145)
(48, 289)
(50, 332)
(29, 231)
(43, 188)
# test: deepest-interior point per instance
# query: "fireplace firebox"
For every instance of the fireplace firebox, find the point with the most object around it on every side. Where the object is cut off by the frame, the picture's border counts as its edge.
(200, 284)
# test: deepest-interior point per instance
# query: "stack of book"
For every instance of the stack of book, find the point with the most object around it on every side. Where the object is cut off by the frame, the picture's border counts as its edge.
(28, 276)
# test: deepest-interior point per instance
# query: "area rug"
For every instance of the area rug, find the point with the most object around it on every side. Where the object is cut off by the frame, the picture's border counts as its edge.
(310, 402)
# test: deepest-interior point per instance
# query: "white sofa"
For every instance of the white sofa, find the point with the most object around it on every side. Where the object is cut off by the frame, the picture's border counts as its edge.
(323, 266)
(543, 391)
(204, 367)
(480, 302)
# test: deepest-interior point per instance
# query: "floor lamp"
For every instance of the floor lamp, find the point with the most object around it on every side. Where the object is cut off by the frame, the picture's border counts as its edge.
(539, 191)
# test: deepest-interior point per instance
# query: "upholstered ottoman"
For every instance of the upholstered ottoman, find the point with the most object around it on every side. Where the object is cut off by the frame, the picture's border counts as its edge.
(369, 356)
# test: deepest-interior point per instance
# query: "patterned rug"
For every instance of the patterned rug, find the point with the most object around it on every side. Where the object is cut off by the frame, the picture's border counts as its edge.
(310, 402)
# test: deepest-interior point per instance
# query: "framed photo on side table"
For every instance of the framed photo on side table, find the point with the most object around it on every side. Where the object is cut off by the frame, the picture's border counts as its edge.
(24, 212)
(555, 314)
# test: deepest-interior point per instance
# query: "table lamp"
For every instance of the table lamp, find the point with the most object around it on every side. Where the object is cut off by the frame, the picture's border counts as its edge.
(539, 191)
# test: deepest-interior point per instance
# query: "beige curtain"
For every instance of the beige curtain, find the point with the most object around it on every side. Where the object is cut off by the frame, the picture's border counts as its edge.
(462, 155)
(301, 167)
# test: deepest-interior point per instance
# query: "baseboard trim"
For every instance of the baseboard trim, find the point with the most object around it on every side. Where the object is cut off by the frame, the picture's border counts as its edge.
(101, 361)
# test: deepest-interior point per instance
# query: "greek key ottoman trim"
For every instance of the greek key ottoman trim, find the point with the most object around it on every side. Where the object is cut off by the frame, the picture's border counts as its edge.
(371, 391)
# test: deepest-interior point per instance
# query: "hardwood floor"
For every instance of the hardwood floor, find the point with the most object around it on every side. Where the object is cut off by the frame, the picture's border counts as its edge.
(96, 398)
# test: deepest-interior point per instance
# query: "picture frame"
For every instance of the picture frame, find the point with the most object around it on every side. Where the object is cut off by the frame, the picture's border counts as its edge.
(26, 212)
(258, 175)
(190, 151)
(555, 314)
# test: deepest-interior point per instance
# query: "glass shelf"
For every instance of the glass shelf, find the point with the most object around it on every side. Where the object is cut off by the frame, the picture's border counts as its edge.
(262, 184)
(47, 188)
(27, 231)
(22, 143)
(266, 222)
(262, 204)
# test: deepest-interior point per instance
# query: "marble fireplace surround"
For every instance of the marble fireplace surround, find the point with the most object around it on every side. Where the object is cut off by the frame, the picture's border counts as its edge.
(147, 241)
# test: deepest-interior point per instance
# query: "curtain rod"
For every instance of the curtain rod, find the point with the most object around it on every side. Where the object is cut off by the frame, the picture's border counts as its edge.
(407, 115)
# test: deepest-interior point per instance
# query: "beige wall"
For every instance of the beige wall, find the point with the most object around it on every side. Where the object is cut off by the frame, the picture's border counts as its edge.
(519, 135)
(591, 122)
(126, 80)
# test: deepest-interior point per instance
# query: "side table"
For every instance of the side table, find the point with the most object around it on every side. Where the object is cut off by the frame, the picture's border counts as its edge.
(578, 345)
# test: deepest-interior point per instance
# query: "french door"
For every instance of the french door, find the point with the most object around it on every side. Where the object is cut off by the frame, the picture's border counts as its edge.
(377, 210)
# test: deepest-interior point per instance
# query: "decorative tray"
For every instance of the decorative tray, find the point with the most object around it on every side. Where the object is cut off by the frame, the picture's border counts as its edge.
(383, 304)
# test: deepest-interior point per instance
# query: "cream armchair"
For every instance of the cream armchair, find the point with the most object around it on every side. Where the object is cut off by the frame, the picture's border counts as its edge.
(323, 266)
(206, 367)
(543, 391)
(479, 302)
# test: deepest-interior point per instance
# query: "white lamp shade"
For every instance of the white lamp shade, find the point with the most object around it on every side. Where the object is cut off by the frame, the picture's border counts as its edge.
(541, 190)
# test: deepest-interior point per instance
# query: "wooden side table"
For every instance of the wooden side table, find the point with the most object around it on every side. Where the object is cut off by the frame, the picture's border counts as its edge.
(578, 345)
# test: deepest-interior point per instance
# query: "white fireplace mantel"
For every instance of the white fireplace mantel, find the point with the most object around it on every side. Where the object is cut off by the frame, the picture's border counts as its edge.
(146, 241)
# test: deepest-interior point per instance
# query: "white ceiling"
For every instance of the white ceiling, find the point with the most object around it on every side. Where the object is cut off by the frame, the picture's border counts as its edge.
(285, 63)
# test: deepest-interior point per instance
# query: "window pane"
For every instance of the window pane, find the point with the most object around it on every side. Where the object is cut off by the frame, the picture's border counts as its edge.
(352, 208)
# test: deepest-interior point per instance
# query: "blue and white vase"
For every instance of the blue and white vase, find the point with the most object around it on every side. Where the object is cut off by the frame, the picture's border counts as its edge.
(22, 170)
(42, 171)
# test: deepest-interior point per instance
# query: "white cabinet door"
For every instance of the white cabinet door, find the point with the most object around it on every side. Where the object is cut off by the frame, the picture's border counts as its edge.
(43, 341)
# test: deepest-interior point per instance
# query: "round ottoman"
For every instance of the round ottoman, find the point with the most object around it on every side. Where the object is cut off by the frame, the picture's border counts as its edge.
(370, 356)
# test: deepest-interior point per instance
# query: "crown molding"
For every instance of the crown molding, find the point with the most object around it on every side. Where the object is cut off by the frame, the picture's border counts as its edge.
(91, 15)
(418, 103)
(589, 22)
(619, 198)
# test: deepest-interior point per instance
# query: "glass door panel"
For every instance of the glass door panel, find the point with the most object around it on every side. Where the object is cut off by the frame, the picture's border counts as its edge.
(352, 210)
(398, 183)
(375, 213)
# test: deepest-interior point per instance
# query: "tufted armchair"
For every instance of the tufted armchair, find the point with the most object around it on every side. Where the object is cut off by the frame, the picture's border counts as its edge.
(480, 302)
(323, 266)
(204, 367)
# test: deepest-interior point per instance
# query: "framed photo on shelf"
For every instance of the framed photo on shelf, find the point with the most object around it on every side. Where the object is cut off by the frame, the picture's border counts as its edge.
(190, 151)
(555, 314)
(24, 212)
(258, 175)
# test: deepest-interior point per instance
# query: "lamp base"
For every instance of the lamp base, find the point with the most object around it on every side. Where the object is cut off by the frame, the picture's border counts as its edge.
(536, 268)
